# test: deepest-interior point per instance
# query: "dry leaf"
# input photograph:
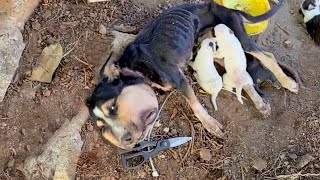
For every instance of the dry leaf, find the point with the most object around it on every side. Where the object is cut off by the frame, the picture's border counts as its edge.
(174, 113)
(303, 161)
(49, 60)
(260, 164)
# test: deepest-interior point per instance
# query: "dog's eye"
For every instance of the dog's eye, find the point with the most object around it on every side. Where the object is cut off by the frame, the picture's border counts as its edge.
(112, 109)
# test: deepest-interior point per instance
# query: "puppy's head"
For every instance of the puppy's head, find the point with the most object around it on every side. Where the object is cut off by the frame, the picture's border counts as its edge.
(310, 9)
(124, 110)
(208, 45)
(222, 30)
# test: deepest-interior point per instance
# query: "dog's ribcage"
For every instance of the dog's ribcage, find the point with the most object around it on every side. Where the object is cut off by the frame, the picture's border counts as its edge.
(171, 35)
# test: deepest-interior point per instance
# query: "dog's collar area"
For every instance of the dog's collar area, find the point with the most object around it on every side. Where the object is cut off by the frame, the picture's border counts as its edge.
(127, 73)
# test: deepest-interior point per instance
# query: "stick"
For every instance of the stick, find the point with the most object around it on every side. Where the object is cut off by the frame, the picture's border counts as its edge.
(283, 29)
(93, 1)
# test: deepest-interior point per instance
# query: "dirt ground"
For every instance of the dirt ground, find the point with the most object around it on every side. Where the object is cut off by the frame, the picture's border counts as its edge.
(288, 141)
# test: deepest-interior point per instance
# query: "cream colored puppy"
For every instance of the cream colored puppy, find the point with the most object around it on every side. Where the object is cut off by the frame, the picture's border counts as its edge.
(206, 74)
(235, 62)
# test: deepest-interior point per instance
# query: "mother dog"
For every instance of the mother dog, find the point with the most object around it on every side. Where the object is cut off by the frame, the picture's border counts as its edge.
(125, 107)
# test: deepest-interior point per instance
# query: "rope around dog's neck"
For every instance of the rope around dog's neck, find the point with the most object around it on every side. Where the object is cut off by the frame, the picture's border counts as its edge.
(154, 170)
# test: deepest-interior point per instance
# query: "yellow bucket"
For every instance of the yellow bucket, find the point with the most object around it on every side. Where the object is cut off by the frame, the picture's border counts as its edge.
(253, 7)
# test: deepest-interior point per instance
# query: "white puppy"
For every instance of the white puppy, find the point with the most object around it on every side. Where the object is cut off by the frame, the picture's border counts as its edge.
(206, 74)
(235, 63)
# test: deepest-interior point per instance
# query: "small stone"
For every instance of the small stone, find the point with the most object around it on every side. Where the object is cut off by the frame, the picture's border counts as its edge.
(293, 156)
(157, 124)
(162, 156)
(282, 156)
(28, 148)
(205, 154)
(291, 11)
(47, 14)
(46, 93)
(317, 166)
(259, 164)
(102, 29)
(288, 44)
(303, 161)
(89, 127)
(174, 132)
(36, 25)
(23, 131)
(166, 130)
(11, 163)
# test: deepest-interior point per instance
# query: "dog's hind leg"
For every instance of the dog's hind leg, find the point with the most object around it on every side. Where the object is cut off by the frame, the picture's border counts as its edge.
(267, 59)
(210, 124)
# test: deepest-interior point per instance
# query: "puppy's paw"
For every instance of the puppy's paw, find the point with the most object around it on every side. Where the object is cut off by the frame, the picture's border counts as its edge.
(264, 109)
(212, 125)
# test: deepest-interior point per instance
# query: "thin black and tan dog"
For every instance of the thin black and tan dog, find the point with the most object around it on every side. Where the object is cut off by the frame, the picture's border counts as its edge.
(124, 102)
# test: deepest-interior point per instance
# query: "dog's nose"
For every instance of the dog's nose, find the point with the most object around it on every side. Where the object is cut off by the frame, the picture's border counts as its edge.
(127, 138)
(211, 44)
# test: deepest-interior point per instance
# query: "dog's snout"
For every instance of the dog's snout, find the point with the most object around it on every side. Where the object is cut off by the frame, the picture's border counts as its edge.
(211, 44)
(127, 138)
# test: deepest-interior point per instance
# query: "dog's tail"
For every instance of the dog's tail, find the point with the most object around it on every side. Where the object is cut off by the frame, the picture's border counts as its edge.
(255, 19)
(263, 17)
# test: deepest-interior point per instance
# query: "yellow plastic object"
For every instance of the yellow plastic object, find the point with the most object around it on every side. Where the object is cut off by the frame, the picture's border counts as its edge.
(253, 7)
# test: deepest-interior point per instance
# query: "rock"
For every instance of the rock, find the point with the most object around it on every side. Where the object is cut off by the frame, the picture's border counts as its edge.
(47, 14)
(205, 154)
(166, 130)
(23, 131)
(303, 161)
(19, 10)
(11, 48)
(288, 44)
(46, 93)
(174, 132)
(36, 25)
(259, 164)
(157, 124)
(89, 127)
(11, 163)
(61, 152)
(161, 156)
(102, 29)
(293, 156)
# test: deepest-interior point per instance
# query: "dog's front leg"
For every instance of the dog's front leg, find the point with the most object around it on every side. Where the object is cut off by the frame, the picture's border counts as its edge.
(211, 124)
(267, 59)
(262, 107)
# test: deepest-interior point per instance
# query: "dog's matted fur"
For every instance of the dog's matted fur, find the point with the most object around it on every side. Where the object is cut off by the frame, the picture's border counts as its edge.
(157, 57)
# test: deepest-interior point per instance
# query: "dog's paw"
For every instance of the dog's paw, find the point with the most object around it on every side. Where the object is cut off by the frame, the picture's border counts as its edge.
(212, 125)
(291, 85)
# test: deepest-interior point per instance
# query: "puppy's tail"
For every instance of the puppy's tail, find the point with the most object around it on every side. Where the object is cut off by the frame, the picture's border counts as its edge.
(263, 17)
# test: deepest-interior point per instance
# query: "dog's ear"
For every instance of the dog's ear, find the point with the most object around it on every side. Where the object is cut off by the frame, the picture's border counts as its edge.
(133, 53)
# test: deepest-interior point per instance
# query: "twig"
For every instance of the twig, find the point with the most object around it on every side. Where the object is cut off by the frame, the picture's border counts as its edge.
(297, 175)
(283, 29)
(81, 61)
(190, 148)
(75, 44)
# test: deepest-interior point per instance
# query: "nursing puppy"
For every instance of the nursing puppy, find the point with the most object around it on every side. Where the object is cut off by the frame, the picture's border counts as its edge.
(206, 74)
(235, 61)
(311, 12)
(157, 58)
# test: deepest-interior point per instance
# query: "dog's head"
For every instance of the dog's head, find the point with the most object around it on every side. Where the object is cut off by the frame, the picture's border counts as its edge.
(124, 109)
